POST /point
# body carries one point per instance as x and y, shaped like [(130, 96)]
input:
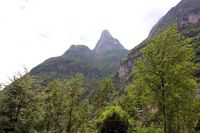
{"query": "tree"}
[(135, 102), (83, 124), (17, 99), (167, 70), (74, 90), (104, 94), (55, 107), (66, 108)]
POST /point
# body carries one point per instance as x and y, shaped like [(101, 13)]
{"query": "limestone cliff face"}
[(187, 15), (127, 65)]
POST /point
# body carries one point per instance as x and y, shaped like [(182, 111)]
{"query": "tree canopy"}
[(167, 70)]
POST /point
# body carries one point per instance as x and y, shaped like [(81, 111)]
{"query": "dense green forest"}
[(161, 97)]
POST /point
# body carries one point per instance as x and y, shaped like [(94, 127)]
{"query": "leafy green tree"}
[(1, 95), (105, 94), (167, 70), (55, 107), (135, 102), (83, 124), (15, 104), (74, 90), (66, 108)]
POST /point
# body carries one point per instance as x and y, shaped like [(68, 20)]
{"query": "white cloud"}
[(34, 30)]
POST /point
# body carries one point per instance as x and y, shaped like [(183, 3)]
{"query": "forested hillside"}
[(156, 88)]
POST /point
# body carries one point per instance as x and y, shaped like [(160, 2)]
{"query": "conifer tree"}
[(17, 100)]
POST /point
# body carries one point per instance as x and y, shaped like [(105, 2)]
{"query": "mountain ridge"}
[(95, 64)]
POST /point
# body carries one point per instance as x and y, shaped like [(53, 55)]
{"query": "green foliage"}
[(166, 69), (16, 103), (83, 124), (1, 95), (55, 106), (65, 109), (135, 102), (161, 98), (113, 119), (105, 94), (148, 130), (73, 90), (60, 107), (128, 102)]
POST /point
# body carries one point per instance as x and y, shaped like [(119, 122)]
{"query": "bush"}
[(113, 120)]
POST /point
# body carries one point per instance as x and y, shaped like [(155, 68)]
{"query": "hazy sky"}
[(34, 30)]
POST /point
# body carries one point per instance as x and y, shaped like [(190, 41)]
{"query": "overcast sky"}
[(34, 30)]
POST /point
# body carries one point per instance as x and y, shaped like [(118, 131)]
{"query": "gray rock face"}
[(184, 14)]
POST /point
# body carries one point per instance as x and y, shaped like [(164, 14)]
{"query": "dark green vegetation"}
[(161, 93), (165, 71), (95, 65)]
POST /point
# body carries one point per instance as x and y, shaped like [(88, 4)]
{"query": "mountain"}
[(95, 64), (107, 43), (187, 15)]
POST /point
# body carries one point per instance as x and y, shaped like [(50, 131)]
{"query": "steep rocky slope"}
[(187, 15)]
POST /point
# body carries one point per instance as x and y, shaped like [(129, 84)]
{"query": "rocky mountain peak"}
[(78, 47), (105, 35), (107, 43), (78, 50)]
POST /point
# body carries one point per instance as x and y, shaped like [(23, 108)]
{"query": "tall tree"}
[(135, 102), (64, 104), (55, 107), (74, 90), (104, 94), (167, 70), (83, 124), (18, 98)]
